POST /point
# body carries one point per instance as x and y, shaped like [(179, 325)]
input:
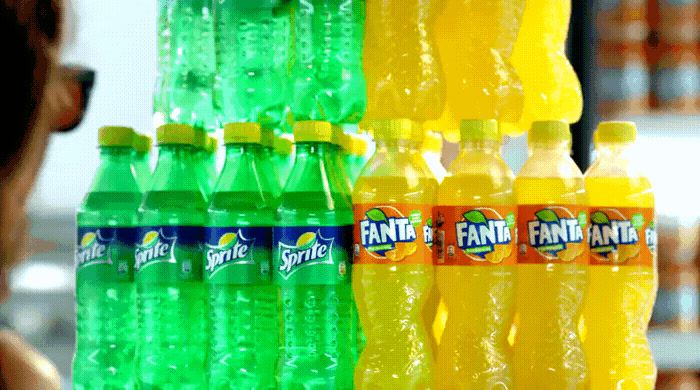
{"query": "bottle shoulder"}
[(546, 165), (477, 180)]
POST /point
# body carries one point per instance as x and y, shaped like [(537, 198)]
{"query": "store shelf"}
[(675, 350)]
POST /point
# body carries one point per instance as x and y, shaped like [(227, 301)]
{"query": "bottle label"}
[(237, 255), (471, 235), (169, 254), (393, 234), (306, 255), (622, 236), (105, 254), (552, 234)]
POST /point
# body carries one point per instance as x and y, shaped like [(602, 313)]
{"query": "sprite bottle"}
[(104, 257), (200, 157), (283, 158), (311, 264), (142, 161), (264, 160), (243, 302), (170, 293), (210, 161)]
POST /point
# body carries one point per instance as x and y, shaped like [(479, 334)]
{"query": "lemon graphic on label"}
[(150, 238), (88, 239), (306, 240), (227, 240)]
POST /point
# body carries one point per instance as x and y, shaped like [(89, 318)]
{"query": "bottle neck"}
[(312, 168), (240, 172), (175, 169), (396, 145), (115, 173), (480, 146), (608, 150), (552, 148)]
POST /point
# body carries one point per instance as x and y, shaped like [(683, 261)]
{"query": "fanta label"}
[(474, 235), (552, 234), (622, 236), (311, 255), (237, 255), (105, 254), (392, 234), (169, 253)]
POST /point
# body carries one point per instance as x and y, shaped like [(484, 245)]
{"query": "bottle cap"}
[(615, 132), (267, 138), (338, 137), (432, 142), (241, 133), (549, 132), (357, 145), (313, 131), (175, 134), (116, 136), (200, 139), (284, 144), (212, 145), (396, 129), (479, 130), (142, 143)]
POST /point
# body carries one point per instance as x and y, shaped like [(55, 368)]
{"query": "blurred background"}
[(643, 67)]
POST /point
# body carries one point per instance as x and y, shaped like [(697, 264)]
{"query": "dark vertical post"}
[(582, 47)]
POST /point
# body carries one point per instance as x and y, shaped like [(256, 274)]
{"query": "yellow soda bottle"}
[(552, 263), (623, 278), (475, 263), (392, 268)]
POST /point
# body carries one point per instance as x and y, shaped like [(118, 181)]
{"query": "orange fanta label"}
[(397, 233), (622, 236), (468, 235), (552, 234)]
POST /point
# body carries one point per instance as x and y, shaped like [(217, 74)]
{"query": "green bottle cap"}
[(615, 132), (313, 131), (175, 134), (548, 132), (116, 136), (242, 133), (142, 143), (479, 130)]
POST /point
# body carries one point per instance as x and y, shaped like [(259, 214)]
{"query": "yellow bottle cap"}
[(357, 145), (267, 138), (396, 129), (175, 134), (479, 130), (142, 143), (116, 136), (549, 132), (212, 145), (284, 144), (242, 133), (615, 132), (432, 142), (338, 137), (200, 139), (313, 131)]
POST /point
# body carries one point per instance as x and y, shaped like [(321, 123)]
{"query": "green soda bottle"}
[(170, 292), (200, 156), (243, 302), (283, 158), (104, 258), (311, 263), (142, 161), (264, 161), (212, 173)]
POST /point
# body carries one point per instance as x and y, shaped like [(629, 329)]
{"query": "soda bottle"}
[(552, 90), (475, 262), (311, 265), (401, 60), (104, 258), (283, 158), (327, 78), (210, 163), (432, 154), (355, 156), (476, 61), (252, 59), (191, 89), (552, 263), (243, 305), (142, 161), (393, 271), (199, 159), (161, 93), (264, 156), (623, 276), (338, 145), (171, 304)]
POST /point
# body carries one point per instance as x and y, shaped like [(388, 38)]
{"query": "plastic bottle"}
[(393, 274), (552, 90), (210, 161), (243, 302), (401, 60), (355, 156), (164, 69), (476, 60), (328, 82), (338, 145), (199, 159), (475, 263), (552, 263), (432, 153), (264, 156), (623, 278), (283, 158), (252, 56), (172, 336), (105, 292), (142, 161), (311, 263)]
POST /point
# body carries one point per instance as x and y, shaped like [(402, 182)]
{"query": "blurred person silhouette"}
[(38, 97)]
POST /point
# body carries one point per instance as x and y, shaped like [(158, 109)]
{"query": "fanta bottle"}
[(105, 293), (476, 40), (355, 156), (199, 159), (172, 336), (552, 263), (552, 90), (475, 263), (623, 278), (210, 161), (243, 303), (311, 264), (142, 161), (401, 60), (264, 157), (283, 157), (393, 273)]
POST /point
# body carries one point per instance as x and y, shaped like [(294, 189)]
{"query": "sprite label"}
[(169, 254), (105, 254), (237, 255)]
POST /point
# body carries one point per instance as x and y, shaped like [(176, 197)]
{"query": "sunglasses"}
[(72, 89)]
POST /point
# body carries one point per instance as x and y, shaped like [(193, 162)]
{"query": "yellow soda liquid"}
[(548, 353), (392, 270), (478, 288), (623, 285)]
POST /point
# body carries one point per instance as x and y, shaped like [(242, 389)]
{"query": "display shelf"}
[(675, 350)]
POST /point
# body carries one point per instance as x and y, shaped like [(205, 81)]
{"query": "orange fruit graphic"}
[(572, 251)]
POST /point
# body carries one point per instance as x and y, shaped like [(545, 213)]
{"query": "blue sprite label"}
[(237, 255), (105, 254), (169, 253), (311, 254)]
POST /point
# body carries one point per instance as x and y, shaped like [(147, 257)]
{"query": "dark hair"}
[(29, 31)]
